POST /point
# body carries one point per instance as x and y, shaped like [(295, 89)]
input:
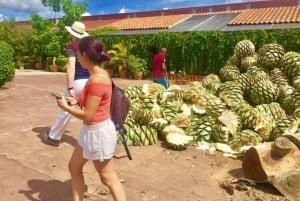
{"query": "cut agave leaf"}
[(177, 141)]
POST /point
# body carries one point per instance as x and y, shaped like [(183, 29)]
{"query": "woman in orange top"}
[(98, 138)]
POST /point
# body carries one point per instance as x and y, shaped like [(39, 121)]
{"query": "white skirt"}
[(98, 141)]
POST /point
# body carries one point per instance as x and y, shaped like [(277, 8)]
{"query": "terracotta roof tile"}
[(268, 16), (23, 25), (241, 5), (164, 20), (155, 22), (94, 24)]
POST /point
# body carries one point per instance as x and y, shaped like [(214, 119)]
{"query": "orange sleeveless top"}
[(102, 90)]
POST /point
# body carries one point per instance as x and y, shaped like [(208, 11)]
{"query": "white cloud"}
[(29, 6), (24, 8), (86, 14), (2, 17), (123, 10)]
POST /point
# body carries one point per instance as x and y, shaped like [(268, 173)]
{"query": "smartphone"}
[(57, 96)]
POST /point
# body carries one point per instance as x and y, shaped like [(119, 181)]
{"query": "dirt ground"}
[(32, 170)]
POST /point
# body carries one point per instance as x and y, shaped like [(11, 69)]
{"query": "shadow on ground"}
[(65, 139), (53, 190)]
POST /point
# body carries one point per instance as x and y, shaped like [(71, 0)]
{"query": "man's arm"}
[(71, 74), (164, 67)]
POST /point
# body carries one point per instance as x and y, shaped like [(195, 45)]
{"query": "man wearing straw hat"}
[(76, 79)]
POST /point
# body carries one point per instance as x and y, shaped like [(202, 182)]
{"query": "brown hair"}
[(94, 49)]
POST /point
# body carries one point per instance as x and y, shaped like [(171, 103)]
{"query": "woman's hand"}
[(62, 102), (72, 93), (71, 101)]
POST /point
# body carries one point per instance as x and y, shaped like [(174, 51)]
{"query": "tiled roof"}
[(95, 24), (242, 5), (244, 17), (251, 14), (268, 16), (155, 22), (23, 25)]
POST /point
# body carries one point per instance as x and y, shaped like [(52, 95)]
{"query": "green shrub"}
[(200, 52), (62, 63), (7, 65)]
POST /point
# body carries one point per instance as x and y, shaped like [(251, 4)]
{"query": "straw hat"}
[(77, 30)]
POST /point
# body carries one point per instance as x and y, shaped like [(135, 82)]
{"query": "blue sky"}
[(22, 9)]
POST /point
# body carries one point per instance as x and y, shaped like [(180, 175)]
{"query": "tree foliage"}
[(73, 12), (7, 66), (19, 39), (103, 31), (55, 4), (38, 23), (201, 52), (50, 39)]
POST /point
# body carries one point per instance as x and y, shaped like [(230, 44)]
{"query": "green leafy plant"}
[(7, 65), (137, 64), (41, 36), (61, 61), (120, 56), (180, 75), (52, 49), (22, 62), (102, 31)]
